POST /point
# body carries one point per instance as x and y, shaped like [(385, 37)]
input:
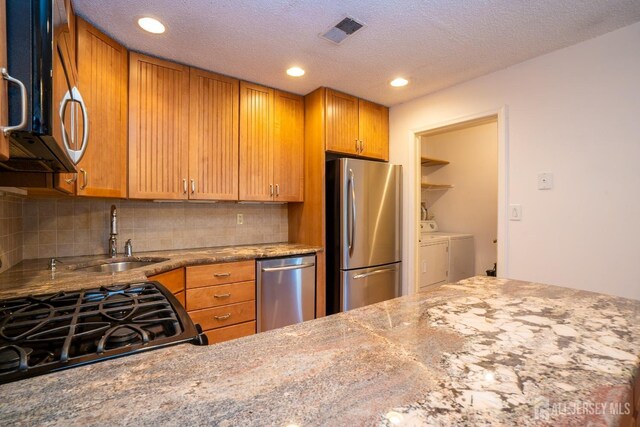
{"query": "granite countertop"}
[(484, 351), (34, 277)]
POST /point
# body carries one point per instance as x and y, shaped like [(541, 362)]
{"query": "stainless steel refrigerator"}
[(364, 233)]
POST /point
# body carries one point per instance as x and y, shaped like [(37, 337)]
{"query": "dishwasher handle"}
[(288, 267)]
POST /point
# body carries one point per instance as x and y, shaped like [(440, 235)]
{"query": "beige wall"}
[(10, 230), (472, 205), (572, 112), (70, 227)]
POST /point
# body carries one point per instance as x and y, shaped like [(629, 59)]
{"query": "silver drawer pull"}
[(288, 267), (223, 317), (371, 273), (221, 274), (227, 295)]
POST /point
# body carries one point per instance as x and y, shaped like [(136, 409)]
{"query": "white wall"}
[(472, 205), (574, 112)]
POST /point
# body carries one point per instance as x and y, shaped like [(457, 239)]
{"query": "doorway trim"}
[(503, 185)]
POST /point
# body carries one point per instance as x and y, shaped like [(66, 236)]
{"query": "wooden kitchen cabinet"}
[(271, 144), (373, 123), (174, 281), (102, 81), (213, 136), (356, 127), (256, 141), (158, 128), (288, 147), (342, 123), (222, 299)]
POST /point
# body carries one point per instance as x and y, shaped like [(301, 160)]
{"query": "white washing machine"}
[(454, 251)]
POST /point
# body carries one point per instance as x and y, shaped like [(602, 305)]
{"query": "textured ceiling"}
[(433, 43)]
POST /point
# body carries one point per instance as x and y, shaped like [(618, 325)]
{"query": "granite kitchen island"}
[(484, 351)]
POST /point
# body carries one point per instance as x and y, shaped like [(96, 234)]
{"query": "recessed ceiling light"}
[(399, 82), (295, 72), (151, 25)]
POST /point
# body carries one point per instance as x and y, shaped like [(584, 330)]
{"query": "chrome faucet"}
[(113, 241)]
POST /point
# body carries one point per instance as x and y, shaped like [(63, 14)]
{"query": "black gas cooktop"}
[(46, 333)]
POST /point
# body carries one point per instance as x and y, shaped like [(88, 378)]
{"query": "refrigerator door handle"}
[(288, 267), (352, 229), (371, 273)]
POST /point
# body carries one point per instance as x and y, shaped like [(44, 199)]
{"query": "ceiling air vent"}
[(343, 29)]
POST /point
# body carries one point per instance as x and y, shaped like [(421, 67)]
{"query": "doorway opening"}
[(460, 199)]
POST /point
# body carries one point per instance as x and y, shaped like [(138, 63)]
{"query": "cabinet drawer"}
[(231, 332), (218, 274), (172, 280), (214, 296), (217, 317)]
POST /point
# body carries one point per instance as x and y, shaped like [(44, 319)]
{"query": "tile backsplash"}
[(11, 223), (71, 227)]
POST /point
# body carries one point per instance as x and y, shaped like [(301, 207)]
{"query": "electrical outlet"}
[(240, 219), (545, 181)]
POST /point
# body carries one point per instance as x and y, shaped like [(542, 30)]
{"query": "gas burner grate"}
[(44, 333)]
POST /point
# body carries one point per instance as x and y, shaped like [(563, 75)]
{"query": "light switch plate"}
[(545, 181), (515, 212), (240, 219)]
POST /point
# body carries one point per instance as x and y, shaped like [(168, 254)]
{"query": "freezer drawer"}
[(369, 285), (286, 291)]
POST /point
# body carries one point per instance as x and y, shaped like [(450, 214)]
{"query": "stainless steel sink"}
[(114, 267)]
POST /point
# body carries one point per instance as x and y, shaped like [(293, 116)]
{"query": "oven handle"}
[(23, 99)]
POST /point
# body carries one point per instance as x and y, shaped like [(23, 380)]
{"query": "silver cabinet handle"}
[(85, 179), (223, 317), (74, 95), (23, 100), (361, 147), (221, 274), (227, 295), (357, 146), (71, 180), (371, 273), (184, 186), (277, 190), (271, 190), (193, 186), (352, 230), (288, 267)]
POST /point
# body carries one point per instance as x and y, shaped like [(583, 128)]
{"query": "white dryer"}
[(461, 252)]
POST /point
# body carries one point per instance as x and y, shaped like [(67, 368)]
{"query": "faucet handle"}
[(128, 248), (52, 263)]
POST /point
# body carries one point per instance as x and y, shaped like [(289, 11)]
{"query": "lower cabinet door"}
[(218, 317), (231, 332)]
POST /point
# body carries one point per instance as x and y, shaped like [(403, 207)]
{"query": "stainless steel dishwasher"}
[(286, 291)]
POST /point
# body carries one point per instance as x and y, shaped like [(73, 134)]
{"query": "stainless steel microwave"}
[(48, 120)]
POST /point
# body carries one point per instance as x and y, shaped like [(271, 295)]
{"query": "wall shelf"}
[(434, 187), (427, 161)]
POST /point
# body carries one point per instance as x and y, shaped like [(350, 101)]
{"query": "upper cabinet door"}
[(288, 147), (158, 128), (102, 80), (256, 139), (341, 123), (374, 130), (213, 136), (4, 109)]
